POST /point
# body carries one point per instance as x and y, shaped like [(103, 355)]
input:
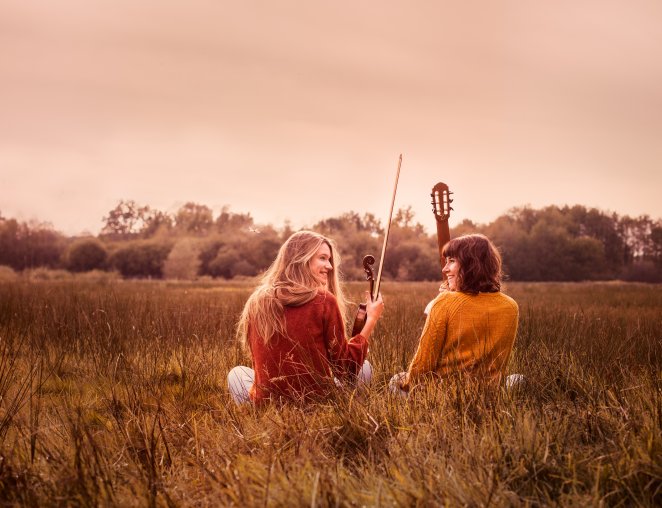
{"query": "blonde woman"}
[(293, 325)]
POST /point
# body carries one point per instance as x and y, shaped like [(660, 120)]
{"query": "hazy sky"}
[(298, 109)]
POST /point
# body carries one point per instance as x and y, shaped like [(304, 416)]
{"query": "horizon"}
[(428, 223)]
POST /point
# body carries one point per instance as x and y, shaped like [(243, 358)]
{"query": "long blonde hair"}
[(289, 281)]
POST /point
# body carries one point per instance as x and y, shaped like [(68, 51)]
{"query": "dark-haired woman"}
[(471, 326)]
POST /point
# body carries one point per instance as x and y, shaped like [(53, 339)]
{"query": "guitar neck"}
[(443, 237)]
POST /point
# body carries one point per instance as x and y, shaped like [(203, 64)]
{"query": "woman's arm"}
[(429, 346), (374, 311), (347, 356)]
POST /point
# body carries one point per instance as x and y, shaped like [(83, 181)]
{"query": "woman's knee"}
[(365, 374), (515, 382), (395, 384), (240, 381)]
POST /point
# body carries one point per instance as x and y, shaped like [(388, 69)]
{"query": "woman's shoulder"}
[(509, 301), (452, 296), (500, 299), (459, 297), (324, 296), (448, 300), (507, 298)]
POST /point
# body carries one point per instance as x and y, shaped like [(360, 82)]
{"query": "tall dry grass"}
[(113, 393)]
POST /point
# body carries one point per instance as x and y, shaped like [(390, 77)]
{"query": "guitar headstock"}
[(368, 261), (441, 202)]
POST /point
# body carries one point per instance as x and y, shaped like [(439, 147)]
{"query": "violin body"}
[(359, 320), (362, 313)]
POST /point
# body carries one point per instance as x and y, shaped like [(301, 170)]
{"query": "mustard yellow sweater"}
[(472, 334)]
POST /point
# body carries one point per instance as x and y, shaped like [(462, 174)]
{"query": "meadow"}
[(113, 393)]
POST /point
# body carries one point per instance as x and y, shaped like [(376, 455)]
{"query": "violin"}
[(368, 261), (362, 313)]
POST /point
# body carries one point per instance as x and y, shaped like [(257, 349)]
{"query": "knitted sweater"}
[(302, 365), (464, 333)]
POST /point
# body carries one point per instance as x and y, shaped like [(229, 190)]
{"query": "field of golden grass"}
[(113, 393)]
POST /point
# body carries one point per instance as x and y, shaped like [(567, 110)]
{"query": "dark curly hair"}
[(480, 263)]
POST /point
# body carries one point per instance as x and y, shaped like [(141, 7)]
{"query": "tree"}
[(128, 220), (228, 221), (464, 228), (596, 224), (350, 221), (240, 253), (29, 245), (636, 233), (183, 261), (226, 261), (124, 220), (656, 244), (155, 222), (85, 255), (357, 237), (194, 219), (141, 259), (404, 217)]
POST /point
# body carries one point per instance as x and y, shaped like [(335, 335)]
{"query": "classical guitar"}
[(441, 207)]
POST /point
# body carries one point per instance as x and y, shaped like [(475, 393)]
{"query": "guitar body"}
[(441, 207)]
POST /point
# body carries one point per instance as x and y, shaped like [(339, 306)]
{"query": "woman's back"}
[(468, 334), (302, 364)]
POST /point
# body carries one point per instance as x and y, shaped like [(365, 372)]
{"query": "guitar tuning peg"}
[(451, 200)]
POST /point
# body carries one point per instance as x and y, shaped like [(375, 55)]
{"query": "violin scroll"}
[(362, 313), (368, 261)]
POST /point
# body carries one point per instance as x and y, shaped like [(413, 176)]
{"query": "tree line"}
[(549, 244)]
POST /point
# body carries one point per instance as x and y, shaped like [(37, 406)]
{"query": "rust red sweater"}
[(302, 365)]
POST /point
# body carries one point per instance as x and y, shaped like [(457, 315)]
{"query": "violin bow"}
[(388, 229)]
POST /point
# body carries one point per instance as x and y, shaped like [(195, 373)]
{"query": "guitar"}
[(441, 208)]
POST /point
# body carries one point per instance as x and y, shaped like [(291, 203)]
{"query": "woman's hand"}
[(374, 308), (374, 311), (443, 287)]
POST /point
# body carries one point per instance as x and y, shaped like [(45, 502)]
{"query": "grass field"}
[(113, 393)]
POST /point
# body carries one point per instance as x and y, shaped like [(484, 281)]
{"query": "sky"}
[(297, 111)]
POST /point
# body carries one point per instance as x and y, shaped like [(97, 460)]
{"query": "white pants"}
[(241, 380), (394, 384), (513, 382)]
